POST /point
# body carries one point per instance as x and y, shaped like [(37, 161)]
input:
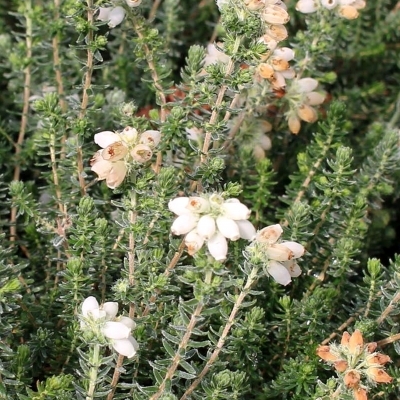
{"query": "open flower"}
[(354, 361), (210, 219), (278, 256), (117, 330)]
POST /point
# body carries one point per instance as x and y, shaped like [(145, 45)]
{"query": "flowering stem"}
[(178, 355), (25, 109), (156, 81), (85, 95), (95, 361), (220, 97), (250, 280)]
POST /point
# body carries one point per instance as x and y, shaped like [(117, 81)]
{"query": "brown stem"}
[(157, 85), (153, 10), (178, 355), (250, 280), (25, 110)]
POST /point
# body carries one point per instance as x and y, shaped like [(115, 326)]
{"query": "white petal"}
[(129, 322), (194, 242), (116, 175), (104, 14), (290, 73), (100, 166), (126, 347), (116, 330), (141, 153), (279, 273), (269, 234), (218, 247), (88, 305), (198, 204), (246, 229), (184, 224), (293, 268), (306, 6), (329, 4), (97, 314), (228, 228), (111, 308), (151, 138), (178, 205), (133, 3), (235, 211), (296, 248), (116, 16), (279, 252), (129, 135), (284, 52), (105, 138), (206, 226), (307, 85), (315, 98), (278, 81), (265, 142)]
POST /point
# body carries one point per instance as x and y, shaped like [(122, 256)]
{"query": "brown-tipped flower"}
[(325, 353), (356, 342), (378, 375), (352, 378), (307, 113), (371, 347), (340, 365), (378, 358), (345, 339), (348, 12), (360, 394)]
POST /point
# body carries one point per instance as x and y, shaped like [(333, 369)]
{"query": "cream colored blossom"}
[(210, 219)]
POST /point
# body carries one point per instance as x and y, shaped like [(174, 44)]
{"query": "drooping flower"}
[(302, 98), (117, 330), (210, 219), (279, 256), (355, 361)]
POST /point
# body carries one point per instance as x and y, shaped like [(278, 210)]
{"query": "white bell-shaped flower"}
[(116, 330), (218, 246), (126, 347)]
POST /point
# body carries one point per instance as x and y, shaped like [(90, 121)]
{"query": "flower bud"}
[(218, 246), (266, 71), (340, 365), (194, 242), (273, 14), (352, 378), (294, 124), (378, 375), (307, 113), (269, 234), (279, 252), (348, 12), (228, 228), (325, 353)]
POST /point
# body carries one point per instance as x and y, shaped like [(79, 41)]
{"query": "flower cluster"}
[(276, 69), (116, 329), (345, 8), (353, 360), (279, 256), (213, 219), (120, 149), (115, 15), (302, 96)]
